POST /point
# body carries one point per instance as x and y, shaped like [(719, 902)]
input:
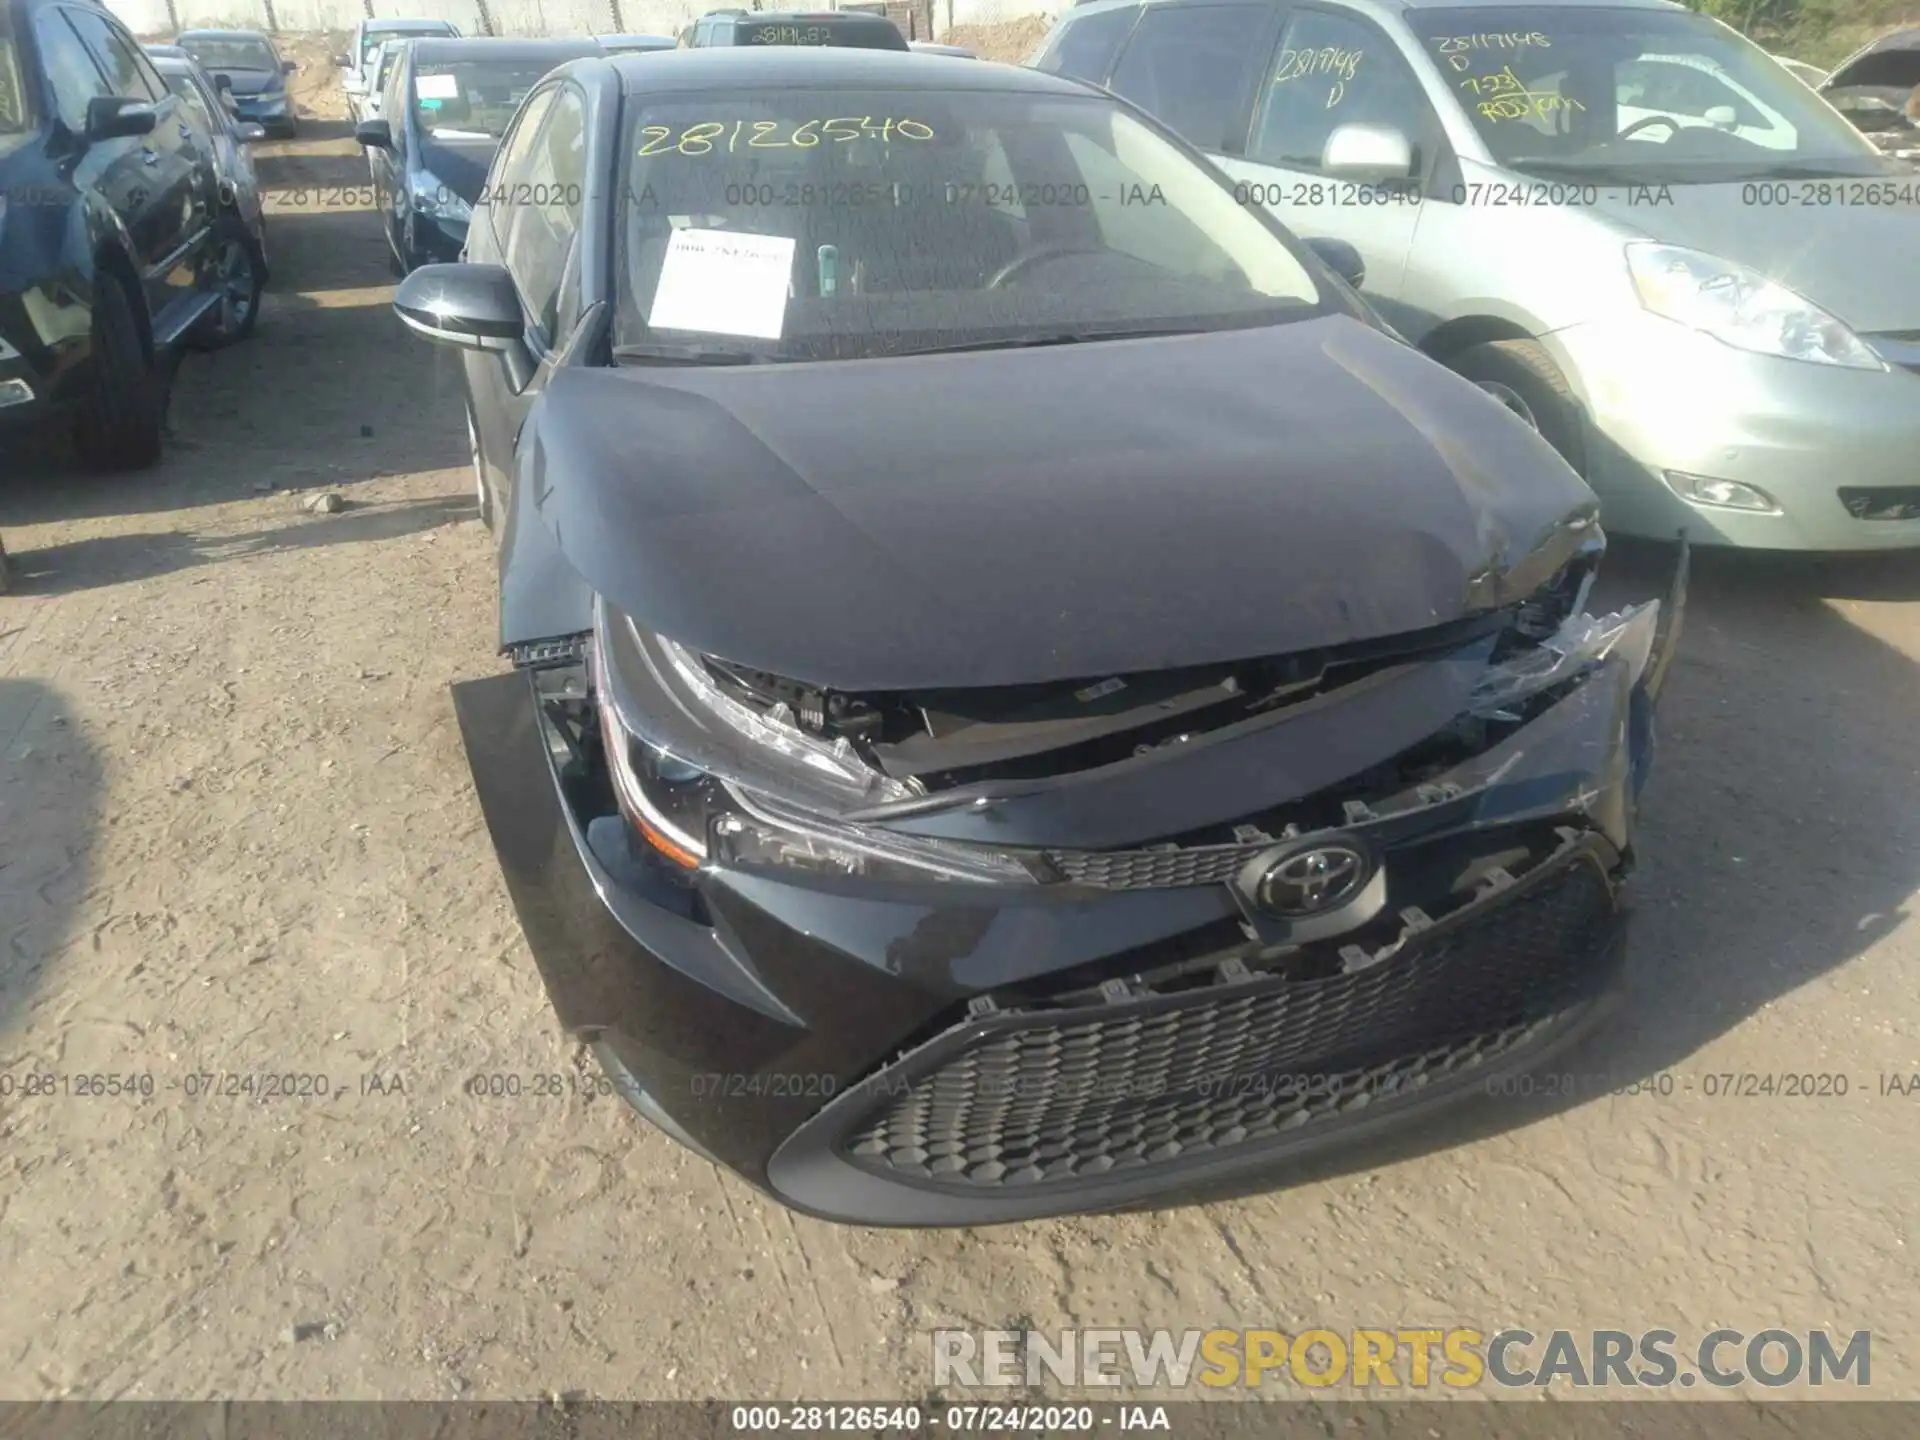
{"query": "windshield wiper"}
[(1797, 172), (659, 354), (1051, 337)]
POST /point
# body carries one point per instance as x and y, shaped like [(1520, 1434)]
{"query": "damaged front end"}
[(1063, 946)]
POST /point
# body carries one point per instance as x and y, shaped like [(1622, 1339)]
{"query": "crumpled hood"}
[(1010, 517)]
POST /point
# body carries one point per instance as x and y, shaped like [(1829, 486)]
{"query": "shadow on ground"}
[(51, 789)]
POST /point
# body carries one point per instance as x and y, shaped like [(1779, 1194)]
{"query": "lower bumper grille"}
[(1883, 502), (1041, 1097)]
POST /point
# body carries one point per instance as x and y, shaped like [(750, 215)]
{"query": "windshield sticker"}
[(1455, 47), (743, 135), (1503, 97), (1330, 61), (430, 104), (724, 283), (437, 87)]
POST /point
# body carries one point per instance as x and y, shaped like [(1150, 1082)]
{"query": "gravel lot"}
[(237, 834)]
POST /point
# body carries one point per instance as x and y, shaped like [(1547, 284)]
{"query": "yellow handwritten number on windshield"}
[(775, 134)]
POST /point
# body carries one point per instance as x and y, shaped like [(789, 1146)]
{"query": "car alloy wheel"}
[(1510, 398), (238, 285)]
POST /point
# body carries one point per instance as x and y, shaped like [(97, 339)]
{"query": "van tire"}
[(121, 415), (1522, 371)]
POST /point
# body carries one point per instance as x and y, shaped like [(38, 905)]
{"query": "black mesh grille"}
[(1049, 1096), (1156, 869)]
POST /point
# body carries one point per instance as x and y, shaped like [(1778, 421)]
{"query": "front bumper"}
[(1659, 397), (37, 372), (959, 1054)]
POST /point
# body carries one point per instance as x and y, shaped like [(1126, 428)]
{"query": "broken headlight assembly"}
[(702, 777), (1581, 642)]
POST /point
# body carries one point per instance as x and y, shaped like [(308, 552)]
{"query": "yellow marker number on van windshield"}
[(1332, 61), (1504, 97), (739, 136), (1456, 48)]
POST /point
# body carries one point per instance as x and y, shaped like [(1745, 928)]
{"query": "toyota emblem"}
[(1314, 880)]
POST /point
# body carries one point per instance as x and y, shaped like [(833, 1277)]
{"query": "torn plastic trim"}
[(1575, 648)]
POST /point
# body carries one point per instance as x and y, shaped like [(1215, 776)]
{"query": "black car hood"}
[(460, 165), (1013, 517), (1892, 61), (250, 82)]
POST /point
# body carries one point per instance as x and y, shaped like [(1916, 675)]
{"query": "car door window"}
[(510, 161), (1333, 70), (394, 107), (126, 70), (548, 197), (1083, 49), (71, 71), (1191, 66)]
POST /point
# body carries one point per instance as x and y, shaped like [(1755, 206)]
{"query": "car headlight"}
[(1576, 647), (432, 196), (1741, 307), (704, 777)]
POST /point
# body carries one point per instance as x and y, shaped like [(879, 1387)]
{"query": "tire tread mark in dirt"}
[(806, 1260), (1246, 1266)]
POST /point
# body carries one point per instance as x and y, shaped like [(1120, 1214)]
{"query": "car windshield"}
[(239, 54), (472, 98), (371, 46), (833, 224), (1634, 96)]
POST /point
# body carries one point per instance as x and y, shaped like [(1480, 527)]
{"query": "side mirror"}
[(1367, 152), (223, 82), (287, 67), (112, 116), (472, 306), (341, 62), (1722, 117), (1341, 258), (249, 130), (374, 134)]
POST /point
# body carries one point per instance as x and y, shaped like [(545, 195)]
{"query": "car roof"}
[(222, 35), (173, 64), (726, 67), (502, 48)]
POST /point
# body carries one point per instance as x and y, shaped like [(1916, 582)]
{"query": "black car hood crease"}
[(461, 165), (1014, 517)]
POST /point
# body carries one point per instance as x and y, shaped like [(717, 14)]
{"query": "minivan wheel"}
[(121, 415), (1522, 376)]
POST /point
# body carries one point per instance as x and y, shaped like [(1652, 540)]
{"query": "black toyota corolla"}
[(1026, 697)]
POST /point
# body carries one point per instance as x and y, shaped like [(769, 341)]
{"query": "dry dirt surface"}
[(237, 837)]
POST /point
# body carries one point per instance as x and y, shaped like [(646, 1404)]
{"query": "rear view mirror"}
[(1367, 152), (112, 116), (1341, 258), (472, 306), (374, 134), (1721, 117)]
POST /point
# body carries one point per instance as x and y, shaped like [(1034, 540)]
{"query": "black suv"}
[(855, 28), (110, 229)]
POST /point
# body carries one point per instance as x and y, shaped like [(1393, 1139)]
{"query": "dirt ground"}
[(237, 835)]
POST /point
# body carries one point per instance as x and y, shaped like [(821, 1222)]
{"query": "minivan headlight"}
[(1741, 307)]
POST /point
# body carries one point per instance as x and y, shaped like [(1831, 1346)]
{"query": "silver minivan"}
[(1623, 220)]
